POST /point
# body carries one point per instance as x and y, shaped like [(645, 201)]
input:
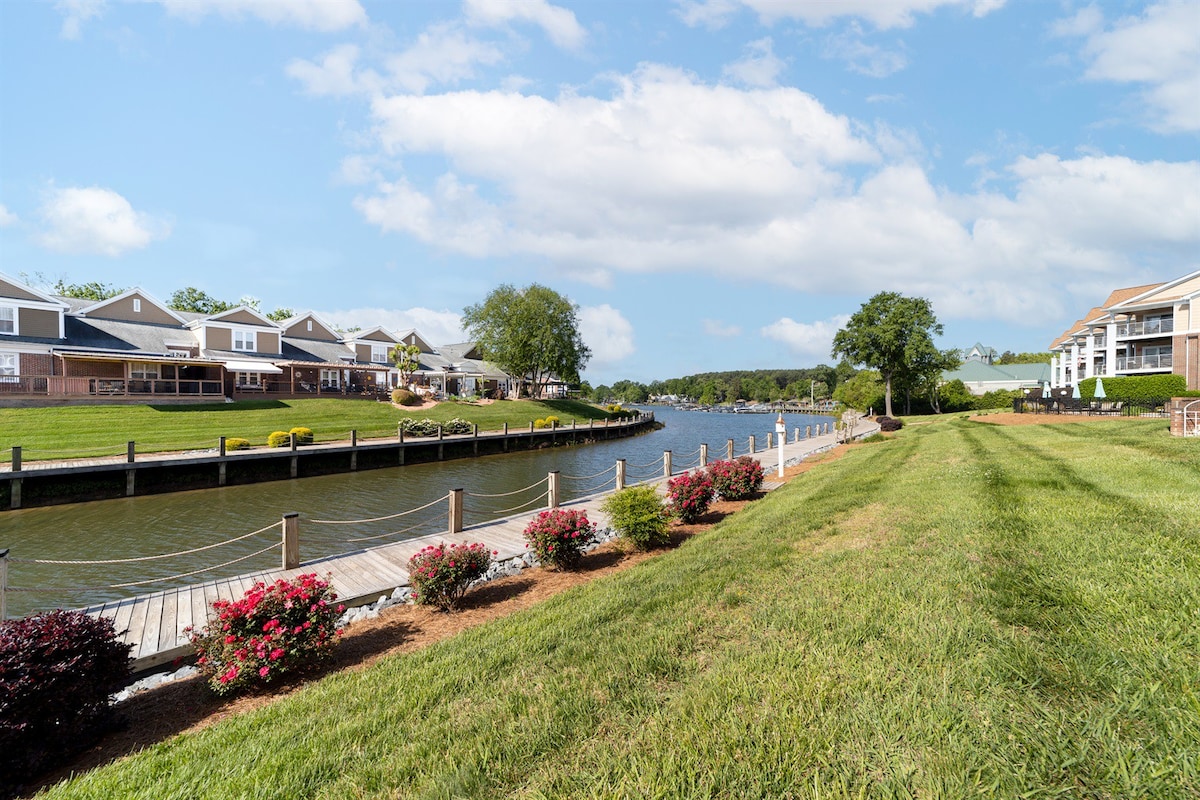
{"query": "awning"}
[(252, 366)]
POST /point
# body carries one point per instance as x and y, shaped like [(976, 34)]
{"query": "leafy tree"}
[(93, 290), (533, 333), (863, 391), (893, 334), (630, 392), (1009, 357), (198, 302), (280, 314), (601, 393), (406, 357)]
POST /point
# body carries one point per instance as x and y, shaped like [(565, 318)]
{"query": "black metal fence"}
[(1151, 407)]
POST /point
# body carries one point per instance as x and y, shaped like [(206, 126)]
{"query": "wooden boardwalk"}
[(155, 624)]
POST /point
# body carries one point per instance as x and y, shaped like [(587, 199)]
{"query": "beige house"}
[(1140, 330)]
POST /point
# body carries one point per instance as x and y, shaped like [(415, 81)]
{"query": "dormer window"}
[(8, 319), (244, 340), (379, 354)]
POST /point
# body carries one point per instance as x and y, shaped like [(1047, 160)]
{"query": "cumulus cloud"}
[(714, 327), (75, 13), (437, 327), (759, 67), (318, 15), (1159, 50), (6, 217), (96, 220), (811, 340), (559, 24), (607, 333), (334, 74), (862, 57), (880, 13)]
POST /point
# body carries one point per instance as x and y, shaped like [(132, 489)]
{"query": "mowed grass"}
[(92, 431), (965, 610)]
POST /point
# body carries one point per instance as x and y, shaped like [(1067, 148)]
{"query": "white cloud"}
[(759, 67), (714, 327), (443, 54), (559, 24), (96, 220), (437, 327), (812, 340), (607, 333), (1159, 50), (335, 74), (866, 59), (77, 12), (6, 217), (880, 13), (318, 15)]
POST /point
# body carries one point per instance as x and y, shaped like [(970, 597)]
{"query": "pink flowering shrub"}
[(690, 495), (737, 479), (275, 629), (558, 536), (440, 574)]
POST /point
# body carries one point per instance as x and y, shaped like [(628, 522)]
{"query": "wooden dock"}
[(155, 624)]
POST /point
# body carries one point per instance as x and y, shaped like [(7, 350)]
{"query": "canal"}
[(140, 527)]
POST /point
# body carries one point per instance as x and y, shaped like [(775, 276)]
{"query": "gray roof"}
[(125, 337), (316, 351)]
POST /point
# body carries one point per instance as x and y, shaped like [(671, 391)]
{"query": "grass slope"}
[(966, 610), (70, 431)]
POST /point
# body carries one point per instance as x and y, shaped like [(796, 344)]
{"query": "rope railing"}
[(655, 463), (378, 519), (597, 488), (145, 558), (509, 494), (100, 449), (613, 468), (506, 511), (400, 532)]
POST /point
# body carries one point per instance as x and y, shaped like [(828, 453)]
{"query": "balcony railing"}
[(1100, 342), (62, 386), (1162, 361), (1166, 325)]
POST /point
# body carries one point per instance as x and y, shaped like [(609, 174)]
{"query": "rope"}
[(695, 452), (588, 477), (378, 519), (598, 487), (409, 529), (655, 463), (509, 494), (502, 512), (145, 558)]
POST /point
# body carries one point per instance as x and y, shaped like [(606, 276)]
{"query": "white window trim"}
[(333, 377), (144, 371), (10, 367), (380, 350), (250, 338), (137, 305), (248, 378), (16, 320)]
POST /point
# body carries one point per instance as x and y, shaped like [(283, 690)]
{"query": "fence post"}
[(552, 490), (666, 463), (456, 510), (354, 438), (16, 459), (221, 446), (3, 584), (292, 442), (729, 450), (620, 474), (753, 449), (130, 449), (796, 435), (808, 432), (291, 540), (441, 435), (704, 454), (770, 440), (400, 431), (531, 426)]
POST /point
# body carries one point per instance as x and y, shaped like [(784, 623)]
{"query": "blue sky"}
[(717, 184)]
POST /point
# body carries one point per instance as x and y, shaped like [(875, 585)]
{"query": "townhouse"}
[(132, 347), (1139, 330)]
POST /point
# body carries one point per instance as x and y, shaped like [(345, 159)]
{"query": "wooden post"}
[(130, 449), (14, 493), (130, 482), (16, 459), (770, 440), (796, 435), (292, 441), (291, 540), (400, 432), (753, 449), (552, 490), (704, 454), (666, 463), (354, 451), (620, 474), (440, 434), (531, 426), (3, 584), (456, 510), (506, 437), (808, 432), (729, 450)]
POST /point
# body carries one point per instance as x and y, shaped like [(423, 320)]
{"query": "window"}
[(8, 319), (248, 378), (144, 372), (244, 340), (309, 326), (329, 377), (10, 367), (379, 354), (137, 305)]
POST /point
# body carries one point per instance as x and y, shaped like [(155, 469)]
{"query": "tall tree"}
[(198, 302), (893, 334), (93, 290), (533, 333)]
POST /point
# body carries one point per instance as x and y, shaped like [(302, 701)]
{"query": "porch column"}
[(1053, 372), (1075, 371), (1110, 342), (1089, 355)]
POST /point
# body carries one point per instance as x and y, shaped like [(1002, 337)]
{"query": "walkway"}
[(155, 623)]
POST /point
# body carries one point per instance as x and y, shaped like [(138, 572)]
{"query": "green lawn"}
[(965, 610), (72, 431)]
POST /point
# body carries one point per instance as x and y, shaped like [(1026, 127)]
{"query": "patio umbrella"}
[(1075, 392), (1100, 389)]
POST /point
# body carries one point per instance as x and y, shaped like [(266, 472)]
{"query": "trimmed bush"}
[(57, 671), (889, 424), (274, 630), (458, 427), (737, 479), (690, 495), (423, 427), (540, 423), (552, 421), (558, 536), (639, 516), (441, 574), (303, 435), (235, 443), (403, 397), (279, 439), (1135, 388)]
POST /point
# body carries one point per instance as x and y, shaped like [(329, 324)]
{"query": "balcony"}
[(1136, 363), (1100, 342), (60, 386), (1158, 326)]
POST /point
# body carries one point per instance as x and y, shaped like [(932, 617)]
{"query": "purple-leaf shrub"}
[(558, 536), (440, 574)]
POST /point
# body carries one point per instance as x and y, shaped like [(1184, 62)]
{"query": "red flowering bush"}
[(690, 495), (440, 574), (558, 536), (737, 479), (275, 629)]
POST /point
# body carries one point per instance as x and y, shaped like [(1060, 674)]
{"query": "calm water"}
[(143, 526)]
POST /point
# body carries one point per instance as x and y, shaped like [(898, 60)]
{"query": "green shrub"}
[(275, 629), (57, 672), (639, 516), (1135, 388), (558, 536), (422, 427), (441, 574), (403, 397), (540, 423), (457, 427), (235, 443), (279, 439), (303, 435), (998, 398)]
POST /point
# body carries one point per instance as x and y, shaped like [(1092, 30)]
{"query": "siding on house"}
[(38, 323), (122, 309), (218, 338), (17, 293)]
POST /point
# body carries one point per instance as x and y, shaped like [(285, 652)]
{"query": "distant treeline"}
[(756, 386)]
